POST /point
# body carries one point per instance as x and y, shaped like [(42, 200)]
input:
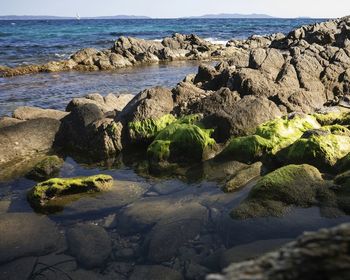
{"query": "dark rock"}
[(90, 244), (47, 168), (155, 272), (323, 254)]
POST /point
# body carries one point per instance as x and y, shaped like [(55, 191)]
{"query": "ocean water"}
[(36, 41)]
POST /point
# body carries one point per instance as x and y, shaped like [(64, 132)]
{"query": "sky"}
[(176, 8)]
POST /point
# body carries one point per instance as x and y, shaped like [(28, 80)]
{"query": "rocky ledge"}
[(314, 255)]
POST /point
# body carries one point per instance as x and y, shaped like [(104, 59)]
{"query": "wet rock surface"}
[(322, 254)]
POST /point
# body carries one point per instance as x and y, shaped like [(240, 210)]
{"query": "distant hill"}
[(12, 17), (234, 16)]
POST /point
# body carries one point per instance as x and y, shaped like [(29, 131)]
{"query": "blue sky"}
[(176, 8)]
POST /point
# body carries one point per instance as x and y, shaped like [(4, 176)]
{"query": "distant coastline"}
[(208, 16)]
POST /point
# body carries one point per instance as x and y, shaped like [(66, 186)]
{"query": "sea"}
[(24, 42)]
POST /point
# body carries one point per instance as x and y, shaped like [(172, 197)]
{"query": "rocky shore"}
[(274, 113)]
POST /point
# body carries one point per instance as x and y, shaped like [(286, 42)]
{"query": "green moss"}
[(269, 138), (180, 142), (46, 168), (322, 151), (341, 117), (147, 130), (246, 149), (51, 189), (337, 129), (299, 185)]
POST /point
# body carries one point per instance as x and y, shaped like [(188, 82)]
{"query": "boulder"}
[(89, 244), (27, 138), (47, 168), (108, 103), (180, 142), (299, 185), (269, 138), (242, 118), (8, 121), (30, 113), (43, 195), (27, 234)]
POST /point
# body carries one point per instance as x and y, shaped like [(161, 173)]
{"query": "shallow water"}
[(55, 90), (151, 221)]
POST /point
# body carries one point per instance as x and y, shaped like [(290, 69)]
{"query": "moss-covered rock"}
[(269, 138), (40, 195), (47, 168), (337, 117), (322, 150), (146, 130), (342, 192), (298, 185), (337, 129), (183, 141)]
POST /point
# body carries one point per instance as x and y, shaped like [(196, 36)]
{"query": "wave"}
[(216, 41)]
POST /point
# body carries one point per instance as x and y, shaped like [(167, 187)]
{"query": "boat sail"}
[(77, 16)]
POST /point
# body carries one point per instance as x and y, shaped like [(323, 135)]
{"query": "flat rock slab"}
[(31, 113), (90, 244), (26, 234)]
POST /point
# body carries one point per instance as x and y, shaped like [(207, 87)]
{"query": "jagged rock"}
[(322, 254)]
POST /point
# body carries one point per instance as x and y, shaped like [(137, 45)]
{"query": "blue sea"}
[(39, 41)]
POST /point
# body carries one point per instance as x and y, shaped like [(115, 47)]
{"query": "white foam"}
[(216, 41), (158, 40)]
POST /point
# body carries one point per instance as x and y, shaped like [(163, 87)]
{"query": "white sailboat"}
[(77, 16)]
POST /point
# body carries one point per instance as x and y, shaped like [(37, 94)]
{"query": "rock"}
[(151, 103), (243, 177), (269, 138), (321, 253), (179, 142), (176, 227), (42, 196), (31, 113), (4, 206), (146, 130), (22, 267), (109, 103), (242, 118), (298, 185), (90, 244), (15, 228), (155, 272), (7, 121), (250, 251), (47, 168), (27, 138), (319, 148)]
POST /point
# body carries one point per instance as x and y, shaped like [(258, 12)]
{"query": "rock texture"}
[(314, 255)]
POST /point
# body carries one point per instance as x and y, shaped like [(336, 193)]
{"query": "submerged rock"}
[(299, 185), (25, 234), (47, 168), (323, 254), (90, 244), (45, 192)]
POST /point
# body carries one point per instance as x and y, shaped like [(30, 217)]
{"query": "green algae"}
[(41, 194), (323, 151), (269, 138), (182, 141), (298, 185), (337, 129), (148, 129), (46, 168), (341, 117)]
